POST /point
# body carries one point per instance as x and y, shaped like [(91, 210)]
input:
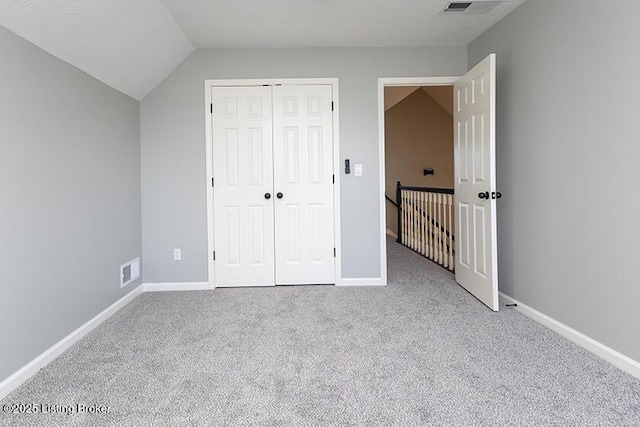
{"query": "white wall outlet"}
[(357, 169), (177, 254)]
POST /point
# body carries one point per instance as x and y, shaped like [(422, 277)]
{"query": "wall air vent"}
[(477, 7), (129, 272)]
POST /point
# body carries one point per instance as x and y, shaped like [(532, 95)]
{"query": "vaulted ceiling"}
[(132, 45), (443, 95)]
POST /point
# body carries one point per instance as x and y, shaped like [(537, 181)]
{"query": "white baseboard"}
[(610, 355), (179, 286), (375, 281), (31, 368)]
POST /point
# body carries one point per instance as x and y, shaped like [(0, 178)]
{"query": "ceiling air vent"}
[(457, 7), (469, 8)]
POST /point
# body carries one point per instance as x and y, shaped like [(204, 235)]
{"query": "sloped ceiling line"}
[(132, 45), (393, 95), (443, 95), (129, 45)]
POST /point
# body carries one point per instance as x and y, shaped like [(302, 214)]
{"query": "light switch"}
[(177, 255), (358, 169)]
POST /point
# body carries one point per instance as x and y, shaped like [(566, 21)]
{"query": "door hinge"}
[(211, 108), (214, 255), (334, 252), (334, 178), (331, 105), (212, 182)]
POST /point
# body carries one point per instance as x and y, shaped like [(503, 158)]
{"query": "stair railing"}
[(425, 222)]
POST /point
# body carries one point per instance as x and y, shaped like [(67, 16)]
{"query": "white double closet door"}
[(273, 185)]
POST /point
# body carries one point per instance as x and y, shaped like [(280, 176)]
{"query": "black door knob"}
[(484, 195), (496, 195), (279, 195), (267, 196)]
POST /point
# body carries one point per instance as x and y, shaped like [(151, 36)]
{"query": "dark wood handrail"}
[(389, 199), (428, 190)]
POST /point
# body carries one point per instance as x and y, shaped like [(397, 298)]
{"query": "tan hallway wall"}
[(418, 135)]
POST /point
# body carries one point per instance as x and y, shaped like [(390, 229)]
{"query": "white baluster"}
[(406, 218), (416, 196), (409, 220), (417, 221), (432, 230), (428, 227), (452, 261), (434, 221), (445, 235), (440, 229), (413, 218), (403, 233), (422, 225), (447, 228), (401, 223)]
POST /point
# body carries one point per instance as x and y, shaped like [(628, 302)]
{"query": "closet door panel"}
[(303, 184), (243, 186)]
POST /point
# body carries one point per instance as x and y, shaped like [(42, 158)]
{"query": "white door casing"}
[(474, 173), (303, 176), (243, 174), (247, 230)]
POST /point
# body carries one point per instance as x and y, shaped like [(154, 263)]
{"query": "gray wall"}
[(568, 163), (173, 146), (69, 198)]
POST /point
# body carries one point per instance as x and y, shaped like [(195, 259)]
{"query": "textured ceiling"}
[(329, 23), (132, 45)]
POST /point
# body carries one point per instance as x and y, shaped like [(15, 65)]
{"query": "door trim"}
[(382, 83), (209, 84)]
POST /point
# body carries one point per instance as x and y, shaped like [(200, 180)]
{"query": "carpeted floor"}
[(420, 351)]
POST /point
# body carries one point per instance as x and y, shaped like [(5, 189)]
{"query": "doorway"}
[(402, 86), (474, 201), (419, 170)]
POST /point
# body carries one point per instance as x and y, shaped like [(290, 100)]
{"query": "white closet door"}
[(475, 182), (303, 183), (243, 175)]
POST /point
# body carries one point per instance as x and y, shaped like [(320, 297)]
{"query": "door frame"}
[(390, 82), (209, 84)]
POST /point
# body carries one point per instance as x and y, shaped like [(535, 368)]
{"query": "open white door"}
[(475, 182)]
